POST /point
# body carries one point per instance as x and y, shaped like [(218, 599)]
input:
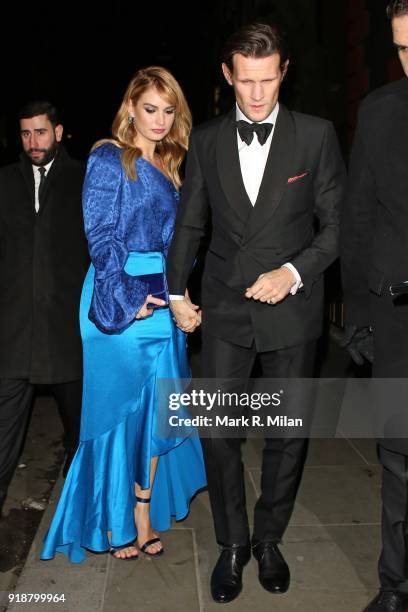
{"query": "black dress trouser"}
[(391, 361), (392, 565), (282, 461), (16, 396)]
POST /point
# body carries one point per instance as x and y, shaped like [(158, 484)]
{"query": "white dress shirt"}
[(252, 159), (37, 180)]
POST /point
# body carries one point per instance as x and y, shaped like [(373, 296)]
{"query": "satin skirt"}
[(119, 432)]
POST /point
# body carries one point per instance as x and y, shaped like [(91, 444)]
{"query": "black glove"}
[(359, 343)]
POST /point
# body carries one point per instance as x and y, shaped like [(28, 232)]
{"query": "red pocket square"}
[(293, 179)]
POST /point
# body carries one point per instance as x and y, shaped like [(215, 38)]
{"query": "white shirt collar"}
[(47, 167), (270, 119)]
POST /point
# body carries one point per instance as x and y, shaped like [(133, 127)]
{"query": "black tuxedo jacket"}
[(295, 219), (43, 261)]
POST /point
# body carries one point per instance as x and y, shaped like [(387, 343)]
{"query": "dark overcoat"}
[(43, 262), (374, 236)]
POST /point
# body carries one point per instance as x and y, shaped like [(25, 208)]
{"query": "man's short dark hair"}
[(397, 8), (257, 39), (39, 107)]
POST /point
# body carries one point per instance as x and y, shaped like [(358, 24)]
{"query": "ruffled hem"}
[(98, 495), (120, 430)]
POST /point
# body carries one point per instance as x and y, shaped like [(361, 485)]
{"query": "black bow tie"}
[(246, 131)]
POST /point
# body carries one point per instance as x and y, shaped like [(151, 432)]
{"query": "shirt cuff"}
[(176, 297), (298, 282)]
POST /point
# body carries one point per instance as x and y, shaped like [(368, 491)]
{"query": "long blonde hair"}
[(172, 149)]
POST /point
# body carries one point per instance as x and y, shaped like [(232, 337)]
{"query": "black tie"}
[(42, 171), (246, 131)]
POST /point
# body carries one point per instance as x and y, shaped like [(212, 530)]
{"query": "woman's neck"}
[(148, 150)]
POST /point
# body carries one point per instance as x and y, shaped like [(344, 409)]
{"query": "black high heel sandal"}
[(148, 543), (113, 549)]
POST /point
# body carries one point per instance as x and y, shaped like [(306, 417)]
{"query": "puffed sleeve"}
[(117, 296)]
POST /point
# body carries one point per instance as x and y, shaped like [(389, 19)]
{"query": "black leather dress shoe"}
[(388, 601), (274, 573), (226, 579)]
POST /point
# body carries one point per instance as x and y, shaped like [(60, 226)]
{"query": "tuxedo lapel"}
[(277, 170), (229, 170)]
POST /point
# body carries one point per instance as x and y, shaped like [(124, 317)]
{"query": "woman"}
[(129, 338)]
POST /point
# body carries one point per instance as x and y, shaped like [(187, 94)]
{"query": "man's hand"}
[(190, 303), (272, 287), (359, 343), (147, 312), (186, 314)]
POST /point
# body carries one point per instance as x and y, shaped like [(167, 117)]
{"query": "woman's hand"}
[(147, 312)]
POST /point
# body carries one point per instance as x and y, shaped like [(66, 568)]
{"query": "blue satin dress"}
[(129, 225)]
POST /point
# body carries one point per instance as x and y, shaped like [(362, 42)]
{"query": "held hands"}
[(147, 312), (272, 287), (186, 314), (359, 343)]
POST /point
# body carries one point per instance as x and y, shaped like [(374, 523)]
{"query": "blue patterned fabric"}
[(129, 225), (122, 215)]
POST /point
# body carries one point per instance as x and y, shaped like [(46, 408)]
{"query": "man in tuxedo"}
[(43, 261), (268, 176), (374, 255)]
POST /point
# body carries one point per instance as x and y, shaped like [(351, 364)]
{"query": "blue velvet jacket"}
[(122, 215)]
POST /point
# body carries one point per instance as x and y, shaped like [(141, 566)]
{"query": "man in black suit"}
[(267, 175), (374, 255), (43, 261)]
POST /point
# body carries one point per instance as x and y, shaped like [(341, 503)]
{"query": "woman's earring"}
[(130, 119)]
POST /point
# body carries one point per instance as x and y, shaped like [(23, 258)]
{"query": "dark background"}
[(82, 56)]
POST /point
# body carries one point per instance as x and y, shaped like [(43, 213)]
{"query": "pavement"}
[(331, 545), (29, 492)]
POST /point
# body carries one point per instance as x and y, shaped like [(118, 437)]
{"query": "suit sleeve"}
[(357, 224), (117, 296), (190, 225), (329, 186)]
